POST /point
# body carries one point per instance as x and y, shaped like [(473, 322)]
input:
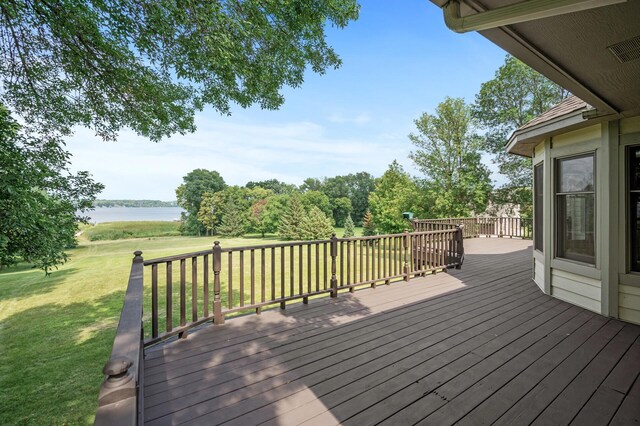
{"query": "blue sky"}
[(399, 60)]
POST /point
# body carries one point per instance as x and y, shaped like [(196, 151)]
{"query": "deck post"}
[(218, 317), (334, 255), (460, 246), (405, 241)]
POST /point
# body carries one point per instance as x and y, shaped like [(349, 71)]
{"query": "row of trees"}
[(211, 206)]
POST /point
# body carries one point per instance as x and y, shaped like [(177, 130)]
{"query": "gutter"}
[(515, 13)]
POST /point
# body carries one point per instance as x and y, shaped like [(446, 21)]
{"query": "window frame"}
[(589, 260), (538, 207), (629, 193)]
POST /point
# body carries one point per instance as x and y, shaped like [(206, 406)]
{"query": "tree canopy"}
[(41, 202), (189, 194), (513, 97), (395, 193), (449, 154), (150, 65)]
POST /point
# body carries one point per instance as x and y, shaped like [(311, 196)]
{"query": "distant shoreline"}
[(134, 203)]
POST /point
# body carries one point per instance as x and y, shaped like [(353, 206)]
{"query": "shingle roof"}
[(569, 105)]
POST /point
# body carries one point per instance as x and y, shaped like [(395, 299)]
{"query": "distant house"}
[(586, 150)]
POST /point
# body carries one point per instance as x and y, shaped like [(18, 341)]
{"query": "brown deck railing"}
[(120, 399), (182, 294), (477, 226)]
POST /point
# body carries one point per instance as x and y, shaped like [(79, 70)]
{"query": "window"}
[(634, 206), (575, 208), (538, 206)]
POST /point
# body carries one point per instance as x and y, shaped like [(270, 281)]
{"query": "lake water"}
[(124, 214)]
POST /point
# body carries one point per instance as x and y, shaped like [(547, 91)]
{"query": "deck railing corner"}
[(120, 399)]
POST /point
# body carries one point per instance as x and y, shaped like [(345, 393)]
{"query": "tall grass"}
[(123, 230)]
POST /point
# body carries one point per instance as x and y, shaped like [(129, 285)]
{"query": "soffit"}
[(571, 49)]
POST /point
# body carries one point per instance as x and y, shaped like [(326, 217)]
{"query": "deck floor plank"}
[(472, 346)]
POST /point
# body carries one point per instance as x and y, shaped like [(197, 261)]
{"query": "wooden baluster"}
[(194, 289), (325, 263), (407, 267), (318, 267), (300, 271), (305, 300), (218, 317), (241, 273), (252, 266), (291, 273), (282, 287), (361, 277), (169, 296), (183, 295), (309, 281), (373, 263), (379, 250), (334, 254), (273, 273), (154, 300), (205, 284), (385, 258), (366, 256), (342, 263), (263, 284), (395, 255), (230, 283), (349, 262)]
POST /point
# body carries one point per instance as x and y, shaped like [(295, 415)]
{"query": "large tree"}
[(356, 187), (190, 193), (41, 202), (150, 65), (395, 193), (513, 97), (449, 155)]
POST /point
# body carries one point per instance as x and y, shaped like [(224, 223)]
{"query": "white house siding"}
[(629, 303), (538, 273), (581, 136), (576, 289), (630, 125)]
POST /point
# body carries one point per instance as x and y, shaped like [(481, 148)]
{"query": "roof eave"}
[(523, 141)]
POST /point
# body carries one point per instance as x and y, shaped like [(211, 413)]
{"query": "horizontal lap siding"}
[(629, 303), (576, 289), (538, 273)]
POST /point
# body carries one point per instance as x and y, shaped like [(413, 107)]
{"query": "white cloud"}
[(362, 118), (136, 168)]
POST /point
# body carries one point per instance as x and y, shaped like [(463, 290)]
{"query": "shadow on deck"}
[(474, 346)]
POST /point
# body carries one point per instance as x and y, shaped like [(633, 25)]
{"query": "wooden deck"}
[(474, 346)]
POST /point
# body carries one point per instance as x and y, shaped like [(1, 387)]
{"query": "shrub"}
[(316, 225), (368, 225), (349, 227)]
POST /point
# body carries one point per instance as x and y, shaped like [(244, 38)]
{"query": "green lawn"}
[(56, 331)]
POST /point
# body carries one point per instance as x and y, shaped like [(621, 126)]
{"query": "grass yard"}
[(57, 331)]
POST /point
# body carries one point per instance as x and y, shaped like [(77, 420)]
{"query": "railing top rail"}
[(177, 257), (276, 245), (123, 368)]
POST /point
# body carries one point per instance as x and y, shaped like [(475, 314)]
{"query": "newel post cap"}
[(117, 369)]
